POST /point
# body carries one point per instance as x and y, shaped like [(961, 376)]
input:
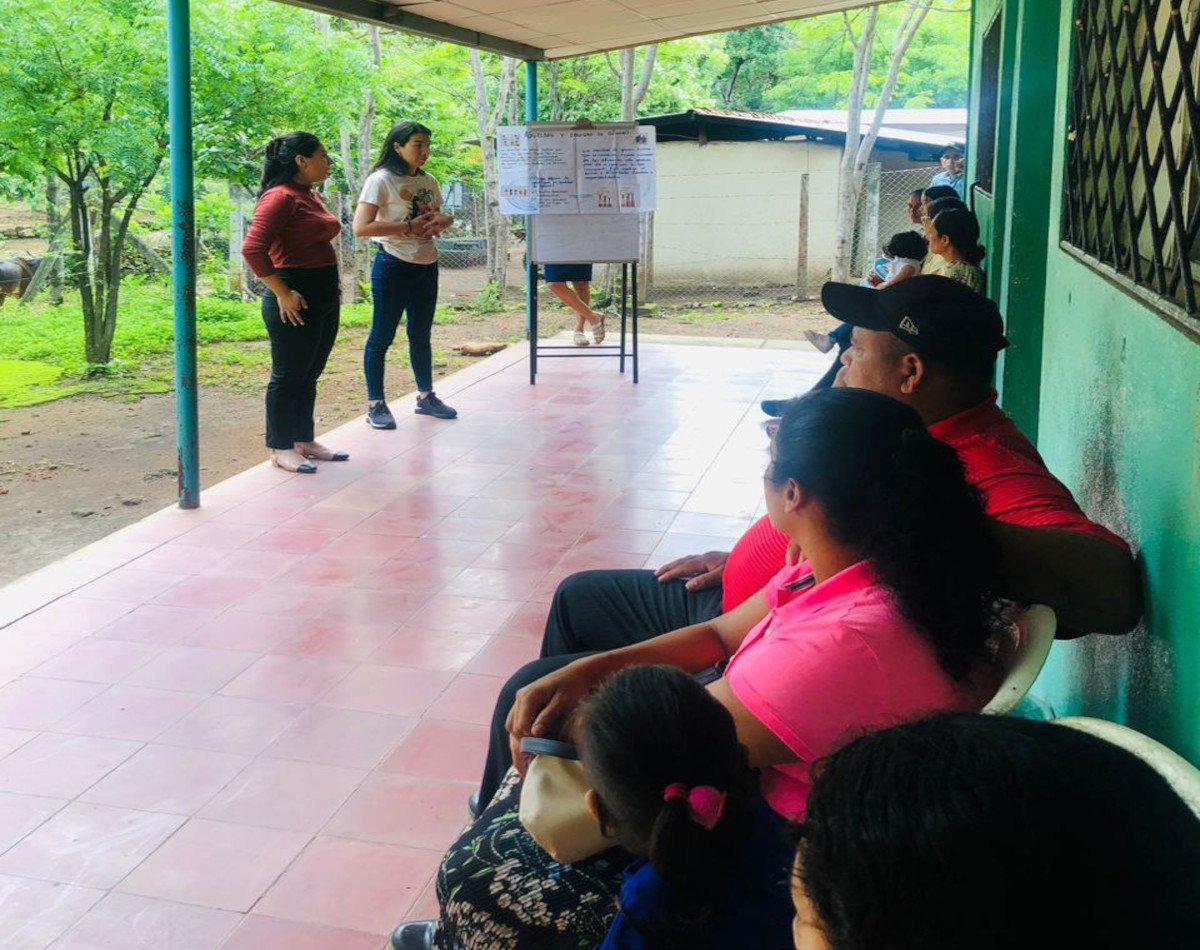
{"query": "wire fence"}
[(883, 210), (696, 255)]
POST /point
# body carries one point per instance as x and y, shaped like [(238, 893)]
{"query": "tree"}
[(859, 145), (633, 91), (755, 60), (253, 79), (83, 98), (815, 71), (356, 150), (488, 113), (81, 94)]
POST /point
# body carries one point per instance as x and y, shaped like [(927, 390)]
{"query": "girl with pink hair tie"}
[(672, 786)]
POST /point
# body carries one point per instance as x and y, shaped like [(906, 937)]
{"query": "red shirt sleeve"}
[(270, 215), (1021, 492), (755, 559)]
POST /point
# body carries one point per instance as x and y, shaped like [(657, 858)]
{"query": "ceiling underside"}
[(534, 30)]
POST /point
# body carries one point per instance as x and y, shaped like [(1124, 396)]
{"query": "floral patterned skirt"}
[(499, 890)]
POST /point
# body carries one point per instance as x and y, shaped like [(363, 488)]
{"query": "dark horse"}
[(15, 276)]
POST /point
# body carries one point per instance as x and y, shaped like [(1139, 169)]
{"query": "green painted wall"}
[(1013, 219), (1118, 419), (1028, 188)]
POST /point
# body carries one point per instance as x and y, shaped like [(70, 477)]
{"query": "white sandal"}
[(580, 339), (598, 330)]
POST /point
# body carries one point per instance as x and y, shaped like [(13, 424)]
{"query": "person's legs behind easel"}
[(571, 284)]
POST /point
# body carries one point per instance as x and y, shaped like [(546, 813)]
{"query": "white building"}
[(748, 198)]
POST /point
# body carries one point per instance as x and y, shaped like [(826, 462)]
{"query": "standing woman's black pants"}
[(299, 353)]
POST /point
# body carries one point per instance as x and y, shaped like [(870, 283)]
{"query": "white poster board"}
[(583, 238), (584, 189), (598, 170)]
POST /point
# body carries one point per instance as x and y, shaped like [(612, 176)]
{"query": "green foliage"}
[(79, 83), (684, 75), (489, 300), (261, 71), (755, 64), (815, 72)]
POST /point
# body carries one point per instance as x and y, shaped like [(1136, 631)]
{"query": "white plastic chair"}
[(1180, 774), (1022, 655)]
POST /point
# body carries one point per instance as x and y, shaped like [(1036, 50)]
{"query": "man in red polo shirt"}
[(930, 342)]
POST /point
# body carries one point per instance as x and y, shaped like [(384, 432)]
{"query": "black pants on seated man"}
[(593, 611)]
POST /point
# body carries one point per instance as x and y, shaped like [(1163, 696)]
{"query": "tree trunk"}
[(632, 94), (357, 159), (553, 95), (98, 236), (646, 267), (77, 264), (487, 117), (54, 222), (727, 92), (236, 266), (857, 151)]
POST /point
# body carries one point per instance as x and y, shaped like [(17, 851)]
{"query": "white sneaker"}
[(822, 341), (580, 339)]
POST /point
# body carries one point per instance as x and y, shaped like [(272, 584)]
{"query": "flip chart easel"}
[(585, 239)]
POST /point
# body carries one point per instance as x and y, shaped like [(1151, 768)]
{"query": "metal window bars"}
[(1132, 189)]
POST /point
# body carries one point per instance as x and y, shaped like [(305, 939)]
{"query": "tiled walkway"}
[(255, 725)]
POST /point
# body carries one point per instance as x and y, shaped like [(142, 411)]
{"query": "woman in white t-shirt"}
[(400, 208)]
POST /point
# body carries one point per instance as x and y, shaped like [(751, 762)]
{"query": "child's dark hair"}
[(897, 494), (962, 229), (938, 205), (933, 192), (992, 832), (907, 244), (389, 158), (279, 161), (648, 728)]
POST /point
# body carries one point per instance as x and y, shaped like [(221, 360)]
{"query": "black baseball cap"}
[(938, 317)]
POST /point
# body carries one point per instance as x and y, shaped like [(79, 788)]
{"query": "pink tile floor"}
[(255, 725)]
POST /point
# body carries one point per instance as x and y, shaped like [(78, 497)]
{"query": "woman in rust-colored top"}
[(289, 246)]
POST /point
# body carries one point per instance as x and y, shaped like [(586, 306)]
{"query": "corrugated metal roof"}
[(731, 125)]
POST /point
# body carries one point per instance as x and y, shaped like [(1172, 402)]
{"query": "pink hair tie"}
[(705, 803)]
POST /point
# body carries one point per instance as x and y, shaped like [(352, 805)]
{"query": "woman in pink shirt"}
[(888, 617)]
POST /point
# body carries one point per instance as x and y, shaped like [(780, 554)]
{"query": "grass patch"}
[(27, 383), (42, 349)]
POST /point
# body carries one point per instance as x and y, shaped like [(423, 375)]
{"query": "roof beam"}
[(393, 18)]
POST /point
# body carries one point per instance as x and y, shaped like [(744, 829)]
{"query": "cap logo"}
[(908, 326)]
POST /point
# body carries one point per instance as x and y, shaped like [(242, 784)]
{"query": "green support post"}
[(531, 114), (183, 249)]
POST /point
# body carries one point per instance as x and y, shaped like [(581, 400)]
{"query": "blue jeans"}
[(397, 286)]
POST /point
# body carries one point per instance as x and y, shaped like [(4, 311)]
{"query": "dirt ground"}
[(77, 469)]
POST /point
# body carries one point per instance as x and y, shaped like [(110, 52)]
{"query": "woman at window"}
[(953, 235)]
